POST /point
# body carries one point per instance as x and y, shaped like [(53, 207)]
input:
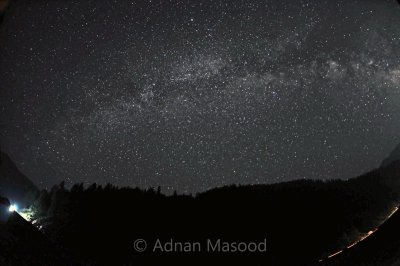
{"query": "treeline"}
[(302, 221)]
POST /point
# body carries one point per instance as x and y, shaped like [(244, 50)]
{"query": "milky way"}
[(190, 95)]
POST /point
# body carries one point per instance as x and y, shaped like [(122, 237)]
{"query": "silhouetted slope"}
[(22, 244), (13, 184), (393, 157), (4, 6), (380, 249)]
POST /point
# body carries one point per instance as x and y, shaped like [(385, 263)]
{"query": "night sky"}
[(191, 95)]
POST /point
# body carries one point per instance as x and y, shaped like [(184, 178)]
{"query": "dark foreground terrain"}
[(382, 248), (293, 223), (23, 244), (300, 222)]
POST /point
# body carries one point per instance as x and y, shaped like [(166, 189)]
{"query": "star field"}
[(190, 95)]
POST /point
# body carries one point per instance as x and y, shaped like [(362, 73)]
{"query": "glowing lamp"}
[(13, 208)]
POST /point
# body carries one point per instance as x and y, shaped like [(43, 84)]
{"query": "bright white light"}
[(13, 208)]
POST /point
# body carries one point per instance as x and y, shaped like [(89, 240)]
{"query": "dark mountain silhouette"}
[(22, 244), (4, 6), (393, 157), (302, 221), (381, 248), (14, 185)]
